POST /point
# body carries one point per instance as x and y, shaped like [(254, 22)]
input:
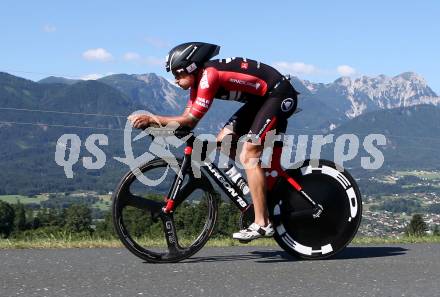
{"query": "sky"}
[(314, 40)]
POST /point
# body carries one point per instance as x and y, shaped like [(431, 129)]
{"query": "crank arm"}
[(317, 208), (311, 212)]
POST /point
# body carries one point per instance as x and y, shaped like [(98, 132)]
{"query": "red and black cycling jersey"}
[(237, 79)]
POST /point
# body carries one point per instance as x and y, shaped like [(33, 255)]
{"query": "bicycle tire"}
[(150, 215), (323, 237)]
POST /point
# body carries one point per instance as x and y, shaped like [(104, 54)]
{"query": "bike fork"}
[(177, 183)]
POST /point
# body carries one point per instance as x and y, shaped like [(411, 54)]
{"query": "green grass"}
[(105, 197), (429, 175), (402, 239), (52, 242), (88, 242), (45, 243), (104, 202), (102, 205), (12, 199)]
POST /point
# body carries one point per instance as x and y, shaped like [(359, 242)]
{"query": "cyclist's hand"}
[(139, 121)]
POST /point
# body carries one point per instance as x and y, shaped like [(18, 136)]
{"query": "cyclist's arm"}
[(202, 98), (186, 119), (198, 104)]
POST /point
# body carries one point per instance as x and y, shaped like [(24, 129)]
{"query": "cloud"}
[(300, 68), (97, 54), (346, 70), (95, 76), (92, 76), (297, 68), (157, 42), (49, 28), (131, 56)]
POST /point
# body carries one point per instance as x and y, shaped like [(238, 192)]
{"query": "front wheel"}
[(146, 230), (322, 237)]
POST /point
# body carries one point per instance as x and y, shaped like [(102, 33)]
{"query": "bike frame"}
[(289, 206), (229, 188)]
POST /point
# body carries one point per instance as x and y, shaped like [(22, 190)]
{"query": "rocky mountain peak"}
[(150, 78), (411, 76), (343, 81), (355, 96)]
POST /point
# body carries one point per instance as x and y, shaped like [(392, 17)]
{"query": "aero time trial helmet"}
[(189, 56)]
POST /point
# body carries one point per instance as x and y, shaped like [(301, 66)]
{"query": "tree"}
[(105, 228), (436, 231), (6, 219), (416, 227), (20, 217), (29, 217), (50, 217), (78, 218)]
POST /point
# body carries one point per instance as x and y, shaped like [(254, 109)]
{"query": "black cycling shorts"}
[(259, 115)]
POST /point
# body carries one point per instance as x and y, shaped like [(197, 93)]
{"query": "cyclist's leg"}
[(272, 116), (249, 157), (228, 134)]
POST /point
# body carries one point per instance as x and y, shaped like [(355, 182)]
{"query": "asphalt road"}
[(392, 270)]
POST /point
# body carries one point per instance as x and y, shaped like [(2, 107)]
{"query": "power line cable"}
[(124, 116), (60, 126), (62, 112), (421, 147), (42, 73)]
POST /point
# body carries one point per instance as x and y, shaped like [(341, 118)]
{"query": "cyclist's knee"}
[(250, 154), (226, 141), (226, 133)]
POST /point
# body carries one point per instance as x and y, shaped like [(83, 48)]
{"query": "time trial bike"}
[(315, 207)]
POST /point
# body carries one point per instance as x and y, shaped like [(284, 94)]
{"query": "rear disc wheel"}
[(316, 238)]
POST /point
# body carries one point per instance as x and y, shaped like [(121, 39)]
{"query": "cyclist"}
[(269, 101)]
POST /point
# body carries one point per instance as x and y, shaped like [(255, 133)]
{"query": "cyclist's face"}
[(184, 80)]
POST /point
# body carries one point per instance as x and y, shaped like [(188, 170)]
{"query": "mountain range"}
[(356, 96), (326, 106), (404, 108)]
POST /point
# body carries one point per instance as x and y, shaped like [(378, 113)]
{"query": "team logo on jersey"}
[(244, 65), (287, 104), (245, 83), (204, 81), (202, 102)]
